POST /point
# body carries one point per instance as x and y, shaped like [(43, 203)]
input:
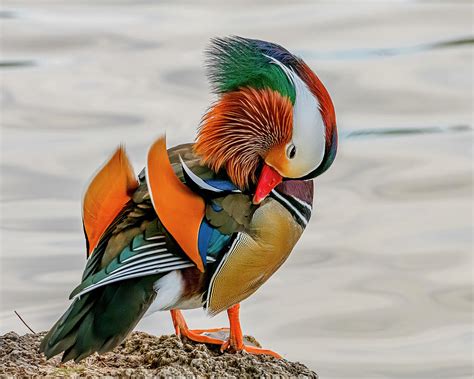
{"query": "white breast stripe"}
[(291, 206), (303, 203), (309, 130)]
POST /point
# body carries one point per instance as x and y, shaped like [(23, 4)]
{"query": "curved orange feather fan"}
[(180, 210), (106, 196)]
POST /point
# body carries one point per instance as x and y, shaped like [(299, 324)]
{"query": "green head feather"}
[(237, 62)]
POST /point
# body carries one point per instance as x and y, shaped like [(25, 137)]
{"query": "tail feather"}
[(71, 318), (86, 341), (99, 320), (61, 335)]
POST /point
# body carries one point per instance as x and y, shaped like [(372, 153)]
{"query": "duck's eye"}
[(291, 151)]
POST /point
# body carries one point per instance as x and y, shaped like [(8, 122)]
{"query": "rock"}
[(11, 336), (143, 355)]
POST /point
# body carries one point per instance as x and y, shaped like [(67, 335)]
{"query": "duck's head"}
[(274, 119)]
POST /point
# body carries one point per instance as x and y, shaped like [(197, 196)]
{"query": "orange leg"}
[(236, 339), (235, 342), (197, 335)]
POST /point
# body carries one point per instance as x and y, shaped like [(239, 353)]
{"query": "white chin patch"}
[(309, 131)]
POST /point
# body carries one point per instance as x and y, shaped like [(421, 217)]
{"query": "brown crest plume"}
[(240, 129)]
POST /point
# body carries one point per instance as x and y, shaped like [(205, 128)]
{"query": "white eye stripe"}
[(303, 203), (309, 130)]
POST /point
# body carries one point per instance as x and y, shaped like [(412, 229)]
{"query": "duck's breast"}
[(257, 253)]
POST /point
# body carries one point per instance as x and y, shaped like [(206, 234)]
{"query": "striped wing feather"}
[(148, 253)]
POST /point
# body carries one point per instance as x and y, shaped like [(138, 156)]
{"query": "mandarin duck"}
[(204, 224)]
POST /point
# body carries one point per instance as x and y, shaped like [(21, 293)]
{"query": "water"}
[(380, 285)]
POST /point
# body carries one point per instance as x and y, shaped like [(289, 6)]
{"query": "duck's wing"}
[(157, 224), (150, 253), (116, 213), (129, 250), (127, 256), (118, 286)]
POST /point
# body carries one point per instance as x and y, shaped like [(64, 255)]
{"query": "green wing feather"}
[(148, 253)]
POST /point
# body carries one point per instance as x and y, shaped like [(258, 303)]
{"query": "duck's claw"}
[(196, 335), (232, 339), (211, 331), (259, 350), (200, 336), (249, 349)]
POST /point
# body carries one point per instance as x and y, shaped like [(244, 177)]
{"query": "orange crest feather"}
[(240, 129)]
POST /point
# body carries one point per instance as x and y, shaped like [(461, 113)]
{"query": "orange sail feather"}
[(180, 210), (106, 196)]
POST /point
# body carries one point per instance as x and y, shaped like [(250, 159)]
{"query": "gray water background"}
[(380, 286)]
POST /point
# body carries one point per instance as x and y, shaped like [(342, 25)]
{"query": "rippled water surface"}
[(380, 285)]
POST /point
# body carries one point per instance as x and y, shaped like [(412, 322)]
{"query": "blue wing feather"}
[(223, 185), (211, 241)]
